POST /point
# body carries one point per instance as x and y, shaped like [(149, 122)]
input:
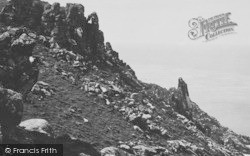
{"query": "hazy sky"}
[(163, 21), (152, 37)]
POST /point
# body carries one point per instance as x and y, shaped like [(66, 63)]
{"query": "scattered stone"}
[(146, 116), (143, 150), (123, 146), (113, 151), (42, 89), (138, 129), (23, 44), (110, 151), (85, 120), (107, 102)]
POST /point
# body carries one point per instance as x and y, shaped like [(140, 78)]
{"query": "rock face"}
[(67, 26), (183, 87), (54, 61), (77, 27), (27, 12), (182, 99), (17, 72)]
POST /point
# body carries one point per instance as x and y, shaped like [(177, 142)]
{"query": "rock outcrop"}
[(67, 26), (25, 12), (182, 100), (18, 74), (18, 69)]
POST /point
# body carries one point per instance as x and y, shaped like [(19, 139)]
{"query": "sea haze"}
[(218, 77)]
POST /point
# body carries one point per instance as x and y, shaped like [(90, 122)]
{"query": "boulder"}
[(11, 104), (38, 125), (11, 111)]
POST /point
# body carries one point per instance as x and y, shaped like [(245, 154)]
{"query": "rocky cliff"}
[(60, 83)]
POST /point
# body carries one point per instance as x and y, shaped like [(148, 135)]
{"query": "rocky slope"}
[(56, 70)]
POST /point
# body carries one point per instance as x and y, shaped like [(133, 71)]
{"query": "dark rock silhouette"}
[(17, 71), (183, 87), (11, 111), (67, 26), (182, 99)]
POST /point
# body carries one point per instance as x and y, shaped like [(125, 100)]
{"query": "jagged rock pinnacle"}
[(182, 100), (183, 87)]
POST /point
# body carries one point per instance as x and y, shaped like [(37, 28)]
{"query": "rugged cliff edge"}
[(67, 86)]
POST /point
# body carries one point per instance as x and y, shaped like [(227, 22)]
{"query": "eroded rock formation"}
[(67, 26), (182, 100)]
